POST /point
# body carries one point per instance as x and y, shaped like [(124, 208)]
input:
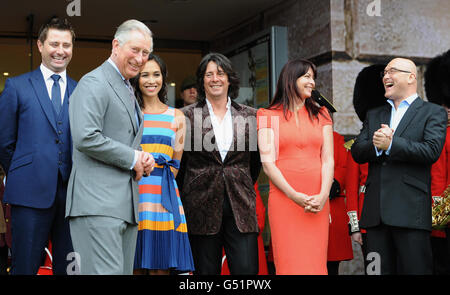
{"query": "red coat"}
[(261, 216), (339, 241), (440, 176), (356, 179)]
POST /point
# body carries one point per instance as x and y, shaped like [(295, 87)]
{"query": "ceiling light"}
[(173, 84), (6, 74)]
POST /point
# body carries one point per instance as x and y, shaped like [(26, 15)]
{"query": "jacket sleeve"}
[(363, 150), (439, 172), (87, 109), (428, 150), (9, 107)]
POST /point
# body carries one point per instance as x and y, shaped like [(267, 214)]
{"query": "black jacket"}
[(398, 187)]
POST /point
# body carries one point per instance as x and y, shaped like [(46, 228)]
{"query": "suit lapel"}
[(69, 89), (385, 116), (408, 116), (208, 132), (118, 85), (38, 84)]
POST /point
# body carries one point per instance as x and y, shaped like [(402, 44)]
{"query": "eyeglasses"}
[(392, 71)]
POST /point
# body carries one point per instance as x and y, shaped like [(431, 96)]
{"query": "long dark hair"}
[(162, 94), (221, 61), (287, 89)]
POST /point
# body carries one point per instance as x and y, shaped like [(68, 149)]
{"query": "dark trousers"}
[(241, 249), (31, 229), (333, 268), (400, 250), (3, 260)]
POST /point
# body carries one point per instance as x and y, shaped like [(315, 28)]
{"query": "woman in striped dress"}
[(162, 242)]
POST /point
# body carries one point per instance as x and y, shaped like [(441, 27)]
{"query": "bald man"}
[(400, 141)]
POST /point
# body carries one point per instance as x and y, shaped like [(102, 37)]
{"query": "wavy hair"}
[(221, 61)]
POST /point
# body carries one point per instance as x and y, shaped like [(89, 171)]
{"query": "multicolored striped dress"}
[(159, 245)]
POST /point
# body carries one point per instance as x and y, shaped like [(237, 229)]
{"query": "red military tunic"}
[(440, 176), (355, 185), (339, 241)]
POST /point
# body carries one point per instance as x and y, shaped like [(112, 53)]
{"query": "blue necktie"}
[(56, 93)]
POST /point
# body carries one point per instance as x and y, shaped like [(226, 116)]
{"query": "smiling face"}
[(131, 56), (56, 50), (215, 82), (151, 80), (400, 79), (306, 84)]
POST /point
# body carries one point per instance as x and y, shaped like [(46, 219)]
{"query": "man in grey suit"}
[(107, 126)]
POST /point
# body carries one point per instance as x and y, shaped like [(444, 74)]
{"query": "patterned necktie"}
[(131, 90), (133, 98), (56, 93)]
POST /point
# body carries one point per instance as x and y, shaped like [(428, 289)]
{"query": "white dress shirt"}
[(223, 131), (47, 74), (397, 115)]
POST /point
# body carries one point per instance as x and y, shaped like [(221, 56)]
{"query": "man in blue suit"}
[(36, 151)]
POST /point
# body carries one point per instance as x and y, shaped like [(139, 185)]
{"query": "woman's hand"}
[(301, 199), (316, 203)]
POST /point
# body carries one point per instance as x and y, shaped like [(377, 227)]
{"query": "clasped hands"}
[(382, 138), (311, 204), (144, 165)]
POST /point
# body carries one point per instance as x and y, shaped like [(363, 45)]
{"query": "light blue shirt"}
[(396, 117)]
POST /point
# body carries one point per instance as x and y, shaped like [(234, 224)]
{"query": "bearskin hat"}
[(437, 79), (369, 90)]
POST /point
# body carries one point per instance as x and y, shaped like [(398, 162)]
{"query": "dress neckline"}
[(157, 113)]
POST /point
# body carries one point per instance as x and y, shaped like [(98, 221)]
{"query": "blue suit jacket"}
[(35, 143)]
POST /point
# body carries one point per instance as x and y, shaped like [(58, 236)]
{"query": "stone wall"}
[(342, 38), (414, 29)]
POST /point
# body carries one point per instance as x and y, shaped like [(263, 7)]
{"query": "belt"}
[(169, 198)]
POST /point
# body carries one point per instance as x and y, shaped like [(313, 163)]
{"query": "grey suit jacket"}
[(105, 135)]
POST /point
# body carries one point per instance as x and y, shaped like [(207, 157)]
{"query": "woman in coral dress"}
[(295, 139), (162, 242)]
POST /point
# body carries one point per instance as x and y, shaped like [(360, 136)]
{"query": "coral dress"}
[(299, 239), (162, 241)]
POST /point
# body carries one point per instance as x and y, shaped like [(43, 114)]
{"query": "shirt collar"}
[(115, 67), (227, 106), (47, 73), (408, 101)]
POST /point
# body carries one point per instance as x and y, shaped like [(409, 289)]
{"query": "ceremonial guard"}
[(368, 93), (437, 81)]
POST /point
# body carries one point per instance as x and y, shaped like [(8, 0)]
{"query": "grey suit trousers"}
[(106, 245)]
